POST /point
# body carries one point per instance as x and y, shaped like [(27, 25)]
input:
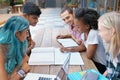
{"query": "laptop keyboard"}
[(44, 78)]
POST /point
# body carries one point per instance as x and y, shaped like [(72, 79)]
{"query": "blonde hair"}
[(112, 20)]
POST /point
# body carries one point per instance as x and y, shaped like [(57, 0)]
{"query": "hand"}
[(25, 59), (32, 45), (78, 42), (60, 37), (64, 49)]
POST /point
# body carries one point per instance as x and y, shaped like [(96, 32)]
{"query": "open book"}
[(53, 56), (67, 42), (42, 56)]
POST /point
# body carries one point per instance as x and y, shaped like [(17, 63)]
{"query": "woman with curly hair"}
[(86, 22)]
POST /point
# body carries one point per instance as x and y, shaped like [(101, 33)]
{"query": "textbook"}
[(67, 42), (90, 74), (42, 56), (52, 56)]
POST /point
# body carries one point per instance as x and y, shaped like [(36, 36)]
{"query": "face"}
[(67, 17), (33, 19), (105, 33), (22, 35), (80, 26)]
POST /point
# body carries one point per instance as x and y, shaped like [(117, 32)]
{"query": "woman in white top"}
[(86, 22)]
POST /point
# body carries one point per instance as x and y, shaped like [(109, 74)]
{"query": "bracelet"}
[(21, 73)]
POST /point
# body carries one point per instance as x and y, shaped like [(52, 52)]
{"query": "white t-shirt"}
[(94, 38)]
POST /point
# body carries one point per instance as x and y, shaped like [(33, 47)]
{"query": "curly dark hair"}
[(88, 16), (31, 9)]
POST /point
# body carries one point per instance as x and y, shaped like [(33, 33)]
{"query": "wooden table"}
[(46, 37)]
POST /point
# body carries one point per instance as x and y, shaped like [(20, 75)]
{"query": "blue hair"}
[(16, 48)]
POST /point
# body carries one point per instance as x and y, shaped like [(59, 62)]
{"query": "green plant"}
[(19, 2), (72, 3), (4, 3)]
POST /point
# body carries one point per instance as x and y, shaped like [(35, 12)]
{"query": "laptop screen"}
[(62, 74)]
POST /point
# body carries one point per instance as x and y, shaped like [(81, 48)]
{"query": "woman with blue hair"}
[(13, 45)]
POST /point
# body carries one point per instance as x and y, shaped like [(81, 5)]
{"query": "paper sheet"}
[(53, 56), (67, 42)]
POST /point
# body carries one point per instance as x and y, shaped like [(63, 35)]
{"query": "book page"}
[(67, 42), (60, 57), (42, 56), (53, 56), (43, 49)]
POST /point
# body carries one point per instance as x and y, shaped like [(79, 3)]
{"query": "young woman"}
[(86, 22), (109, 30), (13, 45)]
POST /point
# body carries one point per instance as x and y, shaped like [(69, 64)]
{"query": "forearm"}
[(76, 40), (25, 59), (67, 36), (15, 76), (20, 73), (3, 75), (73, 49), (78, 49)]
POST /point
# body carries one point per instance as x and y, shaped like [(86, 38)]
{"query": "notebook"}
[(42, 56), (53, 56), (62, 74), (67, 42)]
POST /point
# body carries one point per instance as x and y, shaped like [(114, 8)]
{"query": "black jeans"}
[(101, 68)]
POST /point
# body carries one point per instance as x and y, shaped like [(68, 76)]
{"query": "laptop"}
[(62, 74)]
